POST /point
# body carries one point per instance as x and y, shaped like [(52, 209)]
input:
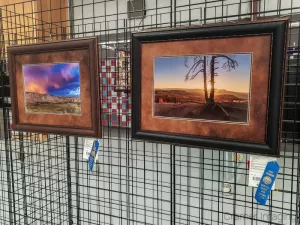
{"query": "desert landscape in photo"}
[(204, 87), (52, 88)]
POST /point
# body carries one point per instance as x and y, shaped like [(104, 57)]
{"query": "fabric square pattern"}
[(116, 106)]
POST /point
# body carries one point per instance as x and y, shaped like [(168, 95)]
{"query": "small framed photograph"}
[(54, 87), (219, 86), (123, 71)]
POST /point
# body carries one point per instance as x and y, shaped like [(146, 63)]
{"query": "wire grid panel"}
[(40, 183), (47, 181), (5, 184)]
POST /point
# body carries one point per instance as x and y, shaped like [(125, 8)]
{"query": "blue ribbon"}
[(93, 154), (266, 182)]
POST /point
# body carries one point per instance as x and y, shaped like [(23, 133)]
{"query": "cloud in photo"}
[(62, 79)]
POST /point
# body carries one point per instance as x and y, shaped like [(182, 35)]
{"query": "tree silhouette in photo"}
[(209, 65)]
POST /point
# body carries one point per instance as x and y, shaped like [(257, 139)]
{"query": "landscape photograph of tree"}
[(52, 88), (213, 87)]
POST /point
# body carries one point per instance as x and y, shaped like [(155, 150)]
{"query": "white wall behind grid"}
[(108, 16)]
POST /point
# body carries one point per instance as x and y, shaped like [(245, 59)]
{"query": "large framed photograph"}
[(54, 87), (218, 86)]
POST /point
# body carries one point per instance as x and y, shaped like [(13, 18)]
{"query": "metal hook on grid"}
[(133, 10), (200, 17), (50, 36), (142, 20), (139, 29), (132, 5)]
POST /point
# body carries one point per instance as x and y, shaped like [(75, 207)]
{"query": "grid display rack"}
[(44, 179)]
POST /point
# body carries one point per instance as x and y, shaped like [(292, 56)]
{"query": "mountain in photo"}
[(220, 94), (35, 98)]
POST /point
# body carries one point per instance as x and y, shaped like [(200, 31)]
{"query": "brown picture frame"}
[(265, 40), (82, 51)]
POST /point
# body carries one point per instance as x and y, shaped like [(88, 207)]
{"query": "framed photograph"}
[(219, 86), (54, 87), (123, 71)]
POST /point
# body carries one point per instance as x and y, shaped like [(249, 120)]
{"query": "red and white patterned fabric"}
[(115, 106)]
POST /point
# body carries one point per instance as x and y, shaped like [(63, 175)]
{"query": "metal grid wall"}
[(135, 182)]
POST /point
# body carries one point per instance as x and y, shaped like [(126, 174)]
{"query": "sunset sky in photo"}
[(170, 73), (61, 79)]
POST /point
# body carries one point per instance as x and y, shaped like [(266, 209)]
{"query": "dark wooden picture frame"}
[(83, 53), (267, 42)]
